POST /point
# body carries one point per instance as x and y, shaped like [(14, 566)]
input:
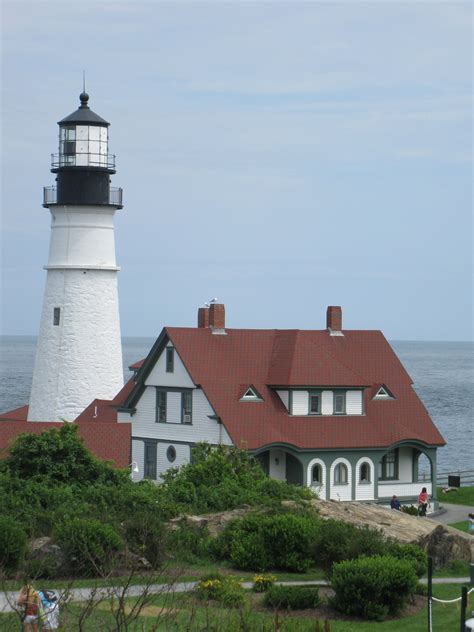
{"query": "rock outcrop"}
[(443, 543)]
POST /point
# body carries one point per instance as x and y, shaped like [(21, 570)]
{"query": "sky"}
[(281, 156)]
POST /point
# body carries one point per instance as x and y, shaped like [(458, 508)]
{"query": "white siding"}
[(138, 455), (341, 492), (159, 376), (300, 403), (387, 490), (284, 396), (277, 470), (183, 454), (202, 428), (354, 403), (173, 408), (405, 465), (319, 489), (327, 402), (364, 491)]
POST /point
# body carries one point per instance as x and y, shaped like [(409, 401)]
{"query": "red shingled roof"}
[(107, 439), (221, 364)]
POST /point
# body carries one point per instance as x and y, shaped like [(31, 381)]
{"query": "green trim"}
[(384, 476), (188, 392), (159, 405), (319, 395), (169, 360), (149, 460)]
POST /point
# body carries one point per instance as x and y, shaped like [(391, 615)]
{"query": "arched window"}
[(340, 474), (317, 475), (364, 473)]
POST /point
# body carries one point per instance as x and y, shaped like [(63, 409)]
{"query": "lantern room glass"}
[(83, 146)]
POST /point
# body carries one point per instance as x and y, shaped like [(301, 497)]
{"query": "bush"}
[(145, 535), (337, 541), (372, 587), (261, 583), (226, 590), (292, 597), (188, 543), (91, 547), (410, 510), (13, 544), (412, 553), (257, 542)]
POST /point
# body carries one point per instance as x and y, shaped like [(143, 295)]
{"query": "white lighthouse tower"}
[(79, 351)]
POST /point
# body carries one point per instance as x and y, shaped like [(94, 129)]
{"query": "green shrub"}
[(258, 542), (337, 541), (91, 547), (372, 587), (410, 510), (413, 553), (188, 543), (261, 583), (292, 597), (226, 590), (145, 535), (13, 544)]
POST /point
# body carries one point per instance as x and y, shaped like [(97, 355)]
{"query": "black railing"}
[(50, 196), (104, 161)]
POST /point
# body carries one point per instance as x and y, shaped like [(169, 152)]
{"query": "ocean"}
[(443, 373)]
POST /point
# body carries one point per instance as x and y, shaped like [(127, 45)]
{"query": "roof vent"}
[(334, 320)]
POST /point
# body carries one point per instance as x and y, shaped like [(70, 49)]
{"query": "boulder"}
[(47, 554), (443, 543)]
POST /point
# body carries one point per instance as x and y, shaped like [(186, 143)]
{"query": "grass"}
[(462, 496), (182, 612), (462, 526)]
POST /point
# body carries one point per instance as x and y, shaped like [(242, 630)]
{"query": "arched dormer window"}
[(317, 475), (364, 473), (340, 474)]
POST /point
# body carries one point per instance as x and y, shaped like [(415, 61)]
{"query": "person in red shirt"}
[(423, 502)]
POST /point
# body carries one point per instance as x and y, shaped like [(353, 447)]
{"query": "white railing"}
[(387, 490)]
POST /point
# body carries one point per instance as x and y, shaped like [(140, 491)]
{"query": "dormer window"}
[(315, 403), (251, 395), (383, 393), (339, 403)]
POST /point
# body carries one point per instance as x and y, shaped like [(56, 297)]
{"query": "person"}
[(395, 503), (470, 524), (29, 599), (50, 615), (423, 502)]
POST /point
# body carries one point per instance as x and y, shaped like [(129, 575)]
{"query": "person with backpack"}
[(50, 610), (29, 599)]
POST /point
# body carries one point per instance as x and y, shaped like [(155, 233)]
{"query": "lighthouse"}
[(79, 351)]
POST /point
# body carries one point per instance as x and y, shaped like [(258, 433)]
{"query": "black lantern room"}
[(83, 165)]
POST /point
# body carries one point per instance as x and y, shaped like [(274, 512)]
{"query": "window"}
[(169, 360), (56, 315), (340, 474), (171, 453), (187, 407), (388, 466), (364, 473), (149, 469), (315, 403), (251, 394), (160, 406), (339, 403), (383, 393), (317, 475)]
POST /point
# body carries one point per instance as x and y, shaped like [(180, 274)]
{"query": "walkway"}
[(8, 598), (453, 513)]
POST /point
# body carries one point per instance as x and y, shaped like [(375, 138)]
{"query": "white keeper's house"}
[(332, 409)]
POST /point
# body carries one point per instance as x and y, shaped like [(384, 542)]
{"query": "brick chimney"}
[(217, 318), (203, 317), (334, 320)]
